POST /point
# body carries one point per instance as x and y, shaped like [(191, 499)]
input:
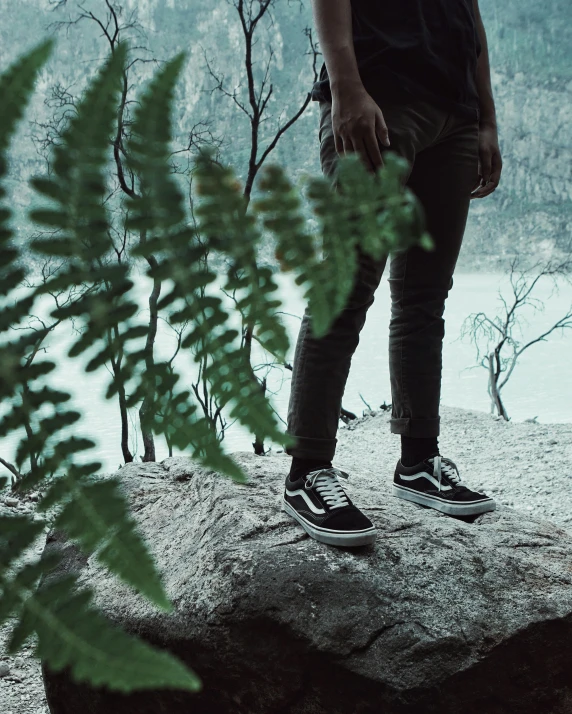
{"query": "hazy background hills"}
[(530, 49)]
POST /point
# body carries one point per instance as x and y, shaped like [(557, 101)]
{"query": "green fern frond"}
[(43, 437), (281, 213), (228, 371), (229, 228), (374, 214), (15, 313), (79, 211), (329, 278), (98, 519), (158, 212), (69, 633), (17, 533), (78, 164), (72, 634), (14, 351), (159, 204), (178, 418), (16, 86)]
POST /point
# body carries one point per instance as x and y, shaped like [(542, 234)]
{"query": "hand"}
[(358, 125), (490, 162)]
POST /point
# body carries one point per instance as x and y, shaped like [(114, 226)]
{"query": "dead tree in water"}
[(498, 332), (254, 104)]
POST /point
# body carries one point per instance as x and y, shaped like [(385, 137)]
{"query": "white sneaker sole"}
[(331, 537), (451, 509)]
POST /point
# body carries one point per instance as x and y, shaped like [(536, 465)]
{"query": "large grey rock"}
[(440, 615)]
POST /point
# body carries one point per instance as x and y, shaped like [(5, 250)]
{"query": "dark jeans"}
[(442, 150)]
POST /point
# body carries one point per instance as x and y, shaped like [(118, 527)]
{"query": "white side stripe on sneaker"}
[(310, 504), (429, 477)]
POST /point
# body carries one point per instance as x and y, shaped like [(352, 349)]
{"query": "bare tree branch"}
[(500, 330), (13, 470)]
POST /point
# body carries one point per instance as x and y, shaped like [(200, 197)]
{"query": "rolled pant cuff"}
[(416, 428), (308, 448)]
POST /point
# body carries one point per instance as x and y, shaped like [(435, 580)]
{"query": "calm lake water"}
[(541, 384)]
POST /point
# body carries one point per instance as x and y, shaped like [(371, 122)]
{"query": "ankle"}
[(414, 450), (301, 467)]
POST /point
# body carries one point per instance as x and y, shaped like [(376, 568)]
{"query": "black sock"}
[(414, 450), (301, 467)]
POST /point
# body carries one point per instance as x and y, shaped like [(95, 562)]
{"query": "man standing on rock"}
[(414, 73)]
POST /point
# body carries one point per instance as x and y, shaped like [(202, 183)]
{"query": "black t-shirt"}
[(415, 49)]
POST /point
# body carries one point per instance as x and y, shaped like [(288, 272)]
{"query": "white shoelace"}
[(443, 465), (327, 484)]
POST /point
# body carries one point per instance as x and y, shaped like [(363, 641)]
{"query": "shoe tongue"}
[(431, 456), (444, 475), (332, 486)]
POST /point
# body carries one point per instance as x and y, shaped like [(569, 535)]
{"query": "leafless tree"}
[(43, 328), (253, 102), (114, 28), (503, 349)]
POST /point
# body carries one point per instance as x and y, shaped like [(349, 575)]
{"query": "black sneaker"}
[(435, 482), (319, 502)]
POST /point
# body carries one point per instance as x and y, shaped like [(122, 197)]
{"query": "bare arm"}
[(483, 76), (490, 160), (357, 121), (333, 19)]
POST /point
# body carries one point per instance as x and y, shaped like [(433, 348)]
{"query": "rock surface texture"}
[(441, 615)]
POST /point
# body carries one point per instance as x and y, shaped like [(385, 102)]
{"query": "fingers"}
[(487, 188), (489, 176), (483, 191), (367, 144), (372, 153), (339, 144), (371, 158), (381, 129), (485, 170), (347, 145)]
